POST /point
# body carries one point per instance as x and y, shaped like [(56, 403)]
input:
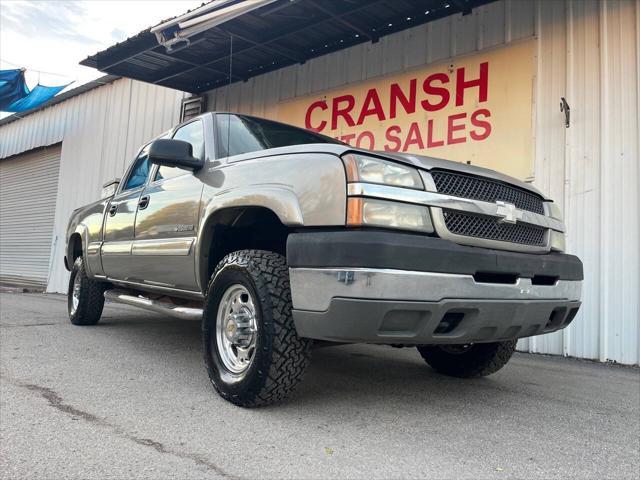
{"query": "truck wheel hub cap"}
[(236, 329)]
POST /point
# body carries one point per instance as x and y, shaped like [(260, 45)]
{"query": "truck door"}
[(120, 219), (167, 221)]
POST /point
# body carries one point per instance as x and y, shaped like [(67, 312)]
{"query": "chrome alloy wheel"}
[(75, 293), (236, 329)]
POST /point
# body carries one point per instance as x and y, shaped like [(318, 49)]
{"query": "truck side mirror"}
[(109, 189), (174, 153)]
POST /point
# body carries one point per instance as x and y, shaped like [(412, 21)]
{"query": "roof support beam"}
[(280, 51), (193, 64)]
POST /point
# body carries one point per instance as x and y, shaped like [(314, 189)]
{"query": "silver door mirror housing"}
[(174, 153), (109, 189)]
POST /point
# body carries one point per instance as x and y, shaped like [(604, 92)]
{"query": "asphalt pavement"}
[(130, 398)]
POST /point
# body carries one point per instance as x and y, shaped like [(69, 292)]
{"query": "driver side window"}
[(191, 133), (140, 171)]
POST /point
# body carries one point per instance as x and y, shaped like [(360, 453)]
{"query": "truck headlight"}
[(383, 213), (553, 210), (363, 168)]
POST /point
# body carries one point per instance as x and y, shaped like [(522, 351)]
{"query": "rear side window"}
[(239, 134)]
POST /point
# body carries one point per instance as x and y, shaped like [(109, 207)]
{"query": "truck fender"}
[(81, 231), (282, 201)]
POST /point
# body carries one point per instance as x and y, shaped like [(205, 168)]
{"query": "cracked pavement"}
[(130, 398)]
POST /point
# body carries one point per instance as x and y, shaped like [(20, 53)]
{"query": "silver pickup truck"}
[(276, 237)]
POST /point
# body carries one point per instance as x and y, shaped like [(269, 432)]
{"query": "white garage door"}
[(28, 187)]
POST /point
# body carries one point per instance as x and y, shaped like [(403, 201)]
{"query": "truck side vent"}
[(192, 107)]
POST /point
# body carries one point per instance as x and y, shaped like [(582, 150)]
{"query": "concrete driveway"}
[(129, 398)]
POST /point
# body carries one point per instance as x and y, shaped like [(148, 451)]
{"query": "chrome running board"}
[(164, 307)]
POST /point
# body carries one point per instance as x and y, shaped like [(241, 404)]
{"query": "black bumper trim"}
[(404, 251)]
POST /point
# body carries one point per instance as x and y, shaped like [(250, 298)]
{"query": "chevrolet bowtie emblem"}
[(508, 212)]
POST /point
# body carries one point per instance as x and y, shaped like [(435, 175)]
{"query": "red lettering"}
[(371, 106), (392, 136), (486, 126), (482, 83), (441, 92), (347, 138), (431, 143), (322, 105), (452, 128), (413, 137), (344, 112), (397, 95), (363, 135)]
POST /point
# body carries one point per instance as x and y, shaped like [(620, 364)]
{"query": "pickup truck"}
[(276, 237)]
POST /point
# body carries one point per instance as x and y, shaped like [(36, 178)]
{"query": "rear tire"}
[(85, 298), (252, 352), (476, 360)]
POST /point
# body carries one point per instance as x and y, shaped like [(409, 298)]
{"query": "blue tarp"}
[(12, 87), (15, 95)]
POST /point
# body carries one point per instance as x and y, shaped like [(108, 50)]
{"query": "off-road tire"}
[(480, 360), (91, 299), (280, 357)]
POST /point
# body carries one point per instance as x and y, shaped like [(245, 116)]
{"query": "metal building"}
[(587, 52)]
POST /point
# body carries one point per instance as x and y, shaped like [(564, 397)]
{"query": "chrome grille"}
[(485, 189), (480, 226)]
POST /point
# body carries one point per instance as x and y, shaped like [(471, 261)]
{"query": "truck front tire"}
[(85, 298), (252, 352), (468, 361)]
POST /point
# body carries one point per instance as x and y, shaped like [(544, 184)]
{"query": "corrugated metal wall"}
[(100, 131), (588, 52)]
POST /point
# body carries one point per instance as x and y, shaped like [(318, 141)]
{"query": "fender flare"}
[(281, 200), (81, 230)]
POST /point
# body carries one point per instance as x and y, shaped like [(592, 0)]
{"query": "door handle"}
[(113, 210), (143, 202)]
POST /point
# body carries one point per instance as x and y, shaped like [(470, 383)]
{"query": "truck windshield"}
[(242, 134)]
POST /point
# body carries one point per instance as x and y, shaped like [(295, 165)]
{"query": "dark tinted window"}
[(140, 170), (192, 133), (248, 134)]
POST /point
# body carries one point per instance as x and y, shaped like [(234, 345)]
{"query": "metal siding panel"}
[(520, 17), (415, 48), (492, 31), (355, 63), (464, 34), (437, 49), (582, 201)]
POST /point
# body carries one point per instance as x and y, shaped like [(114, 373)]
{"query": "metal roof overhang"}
[(273, 35)]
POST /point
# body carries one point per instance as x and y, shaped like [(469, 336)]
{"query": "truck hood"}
[(419, 161)]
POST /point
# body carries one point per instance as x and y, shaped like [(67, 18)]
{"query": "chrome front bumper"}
[(413, 307)]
